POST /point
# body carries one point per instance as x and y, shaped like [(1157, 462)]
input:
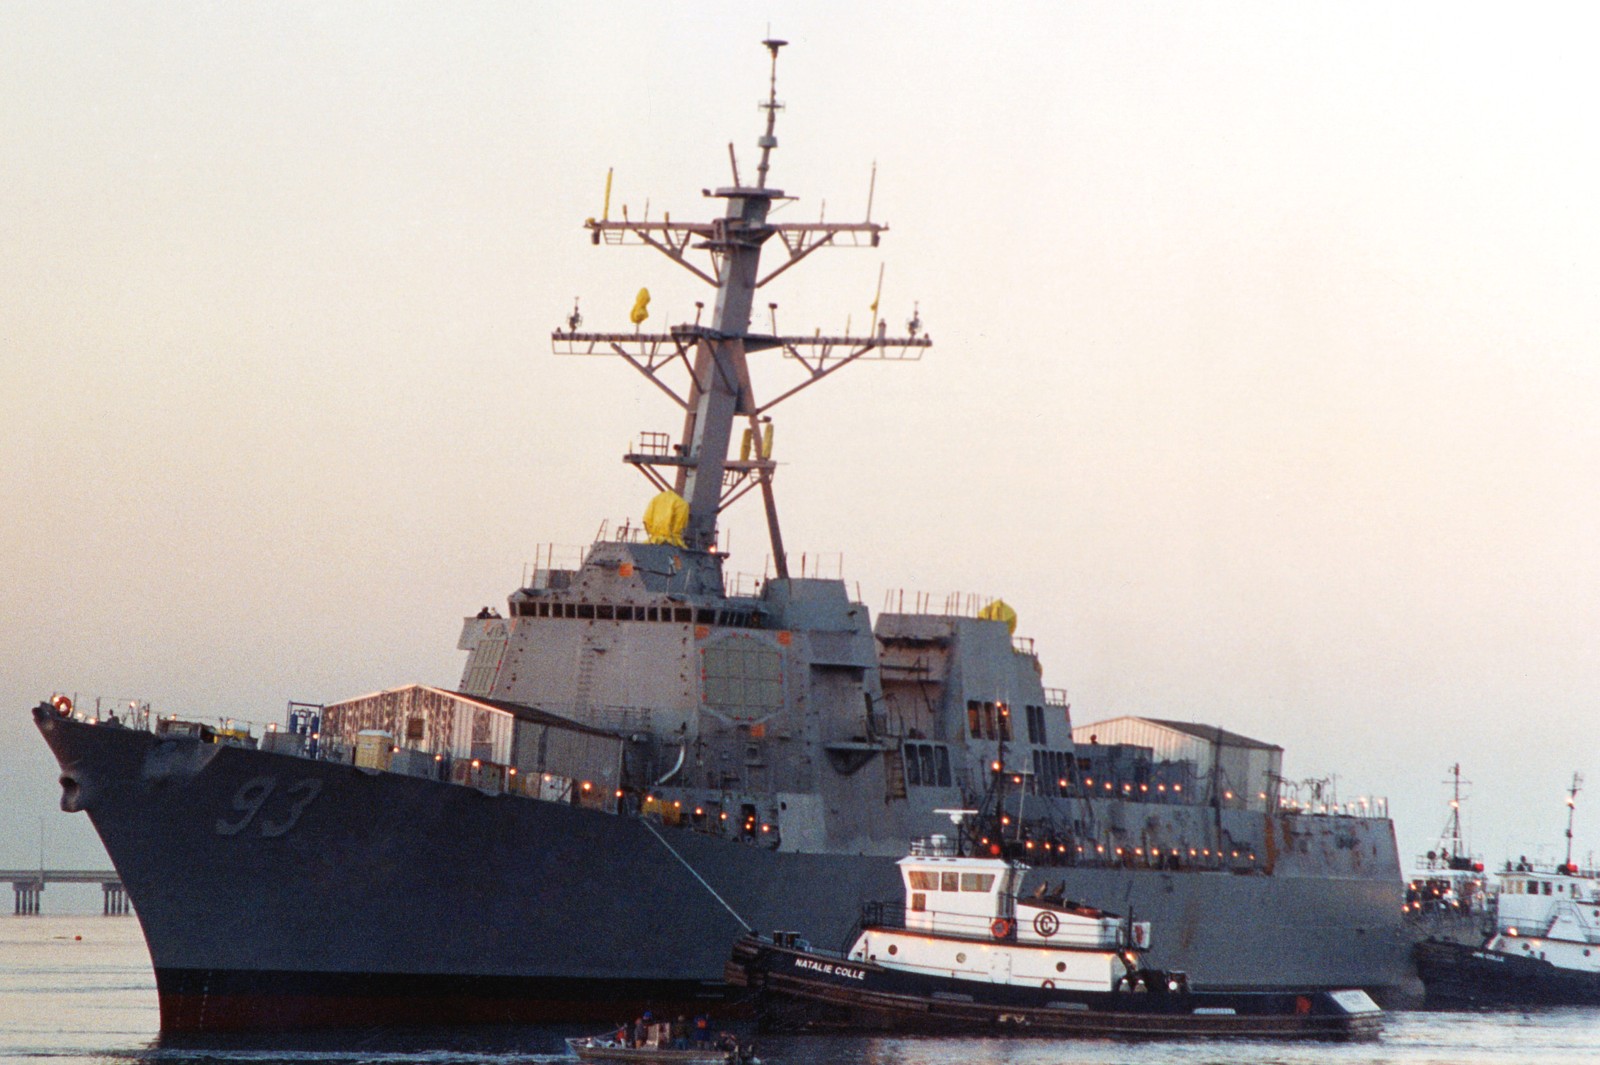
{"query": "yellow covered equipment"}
[(641, 307), (999, 610), (665, 519)]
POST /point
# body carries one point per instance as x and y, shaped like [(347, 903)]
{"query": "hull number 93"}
[(272, 818)]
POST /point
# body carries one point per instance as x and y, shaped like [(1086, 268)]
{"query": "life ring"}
[(1000, 928), (62, 704), (1048, 985)]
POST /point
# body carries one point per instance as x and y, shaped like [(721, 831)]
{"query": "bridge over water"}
[(29, 884)]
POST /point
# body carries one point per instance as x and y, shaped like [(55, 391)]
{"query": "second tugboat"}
[(965, 953), (1447, 891), (1544, 948)]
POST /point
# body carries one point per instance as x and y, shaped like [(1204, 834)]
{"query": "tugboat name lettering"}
[(830, 969)]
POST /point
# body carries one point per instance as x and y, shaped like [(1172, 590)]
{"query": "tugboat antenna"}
[(956, 818), (1453, 843), (1572, 805)]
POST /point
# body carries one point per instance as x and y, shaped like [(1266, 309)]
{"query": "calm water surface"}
[(92, 1001)]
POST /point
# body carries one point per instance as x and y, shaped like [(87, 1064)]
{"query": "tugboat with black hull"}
[(1545, 945), (965, 952)]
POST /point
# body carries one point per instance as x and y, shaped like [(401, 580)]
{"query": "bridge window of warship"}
[(988, 721), (1036, 726), (682, 615), (927, 765), (1052, 773)]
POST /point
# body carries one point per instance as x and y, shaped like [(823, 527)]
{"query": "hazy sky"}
[(1264, 384)]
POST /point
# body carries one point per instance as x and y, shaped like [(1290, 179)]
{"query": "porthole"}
[(961, 959), (1061, 966), (893, 949)]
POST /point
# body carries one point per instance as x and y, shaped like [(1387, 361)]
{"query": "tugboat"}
[(1447, 890), (1545, 943), (964, 953)]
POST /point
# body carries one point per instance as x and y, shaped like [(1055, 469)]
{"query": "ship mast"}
[(1572, 806), (719, 392), (1455, 849)]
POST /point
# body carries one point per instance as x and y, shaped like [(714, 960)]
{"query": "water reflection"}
[(1545, 1037)]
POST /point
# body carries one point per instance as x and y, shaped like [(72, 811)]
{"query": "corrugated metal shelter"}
[(467, 727), (1242, 772)]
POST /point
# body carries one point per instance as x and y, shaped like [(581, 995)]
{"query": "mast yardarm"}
[(719, 393)]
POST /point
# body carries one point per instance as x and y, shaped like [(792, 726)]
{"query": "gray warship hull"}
[(388, 899)]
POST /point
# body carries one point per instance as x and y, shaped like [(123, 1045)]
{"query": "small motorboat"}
[(965, 953), (656, 1049)]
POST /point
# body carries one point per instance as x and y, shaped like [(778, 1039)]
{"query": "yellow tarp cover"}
[(665, 519), (999, 610), (641, 307)]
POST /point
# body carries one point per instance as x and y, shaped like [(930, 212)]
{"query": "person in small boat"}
[(702, 1030), (680, 1033)]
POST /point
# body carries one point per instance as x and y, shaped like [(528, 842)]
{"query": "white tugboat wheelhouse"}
[(962, 918)]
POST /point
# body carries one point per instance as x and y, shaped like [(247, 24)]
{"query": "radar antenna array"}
[(719, 390)]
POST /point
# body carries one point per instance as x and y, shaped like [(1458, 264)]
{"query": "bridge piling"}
[(29, 884), (115, 899), (28, 892)]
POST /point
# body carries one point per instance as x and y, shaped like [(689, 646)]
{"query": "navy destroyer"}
[(644, 758)]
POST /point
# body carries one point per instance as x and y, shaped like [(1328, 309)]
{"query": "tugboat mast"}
[(698, 468), (1456, 849), (1572, 806)]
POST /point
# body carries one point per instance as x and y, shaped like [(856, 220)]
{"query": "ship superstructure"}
[(642, 762)]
